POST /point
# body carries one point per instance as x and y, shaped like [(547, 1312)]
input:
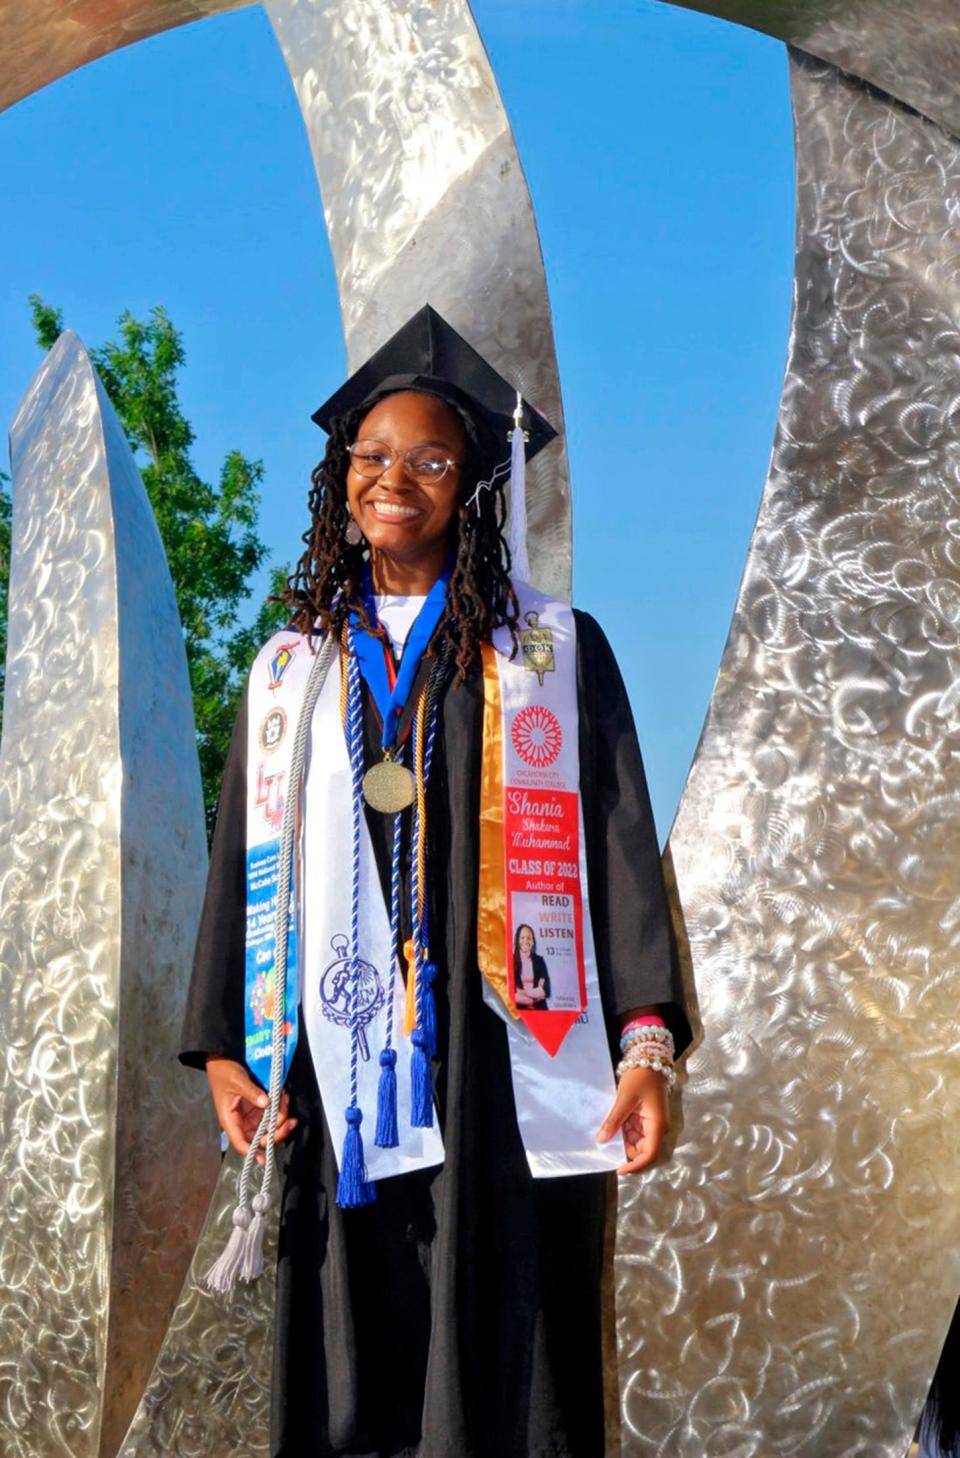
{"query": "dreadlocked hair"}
[(326, 584)]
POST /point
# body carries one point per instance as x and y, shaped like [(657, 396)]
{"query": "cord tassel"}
[(421, 1083), (353, 1187), (251, 1264), (428, 1008), (388, 1134), (223, 1274)]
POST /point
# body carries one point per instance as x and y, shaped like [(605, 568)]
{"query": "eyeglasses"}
[(426, 464)]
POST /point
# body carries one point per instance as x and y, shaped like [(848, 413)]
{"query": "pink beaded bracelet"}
[(638, 1025), (650, 1021)]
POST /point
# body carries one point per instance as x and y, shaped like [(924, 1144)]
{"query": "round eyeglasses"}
[(426, 464)]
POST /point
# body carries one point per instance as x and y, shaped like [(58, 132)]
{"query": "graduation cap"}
[(428, 354)]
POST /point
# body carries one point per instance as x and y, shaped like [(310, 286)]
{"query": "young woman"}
[(531, 980), (440, 1262)]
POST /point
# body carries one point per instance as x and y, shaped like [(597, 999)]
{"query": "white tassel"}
[(222, 1275), (251, 1265), (517, 529)]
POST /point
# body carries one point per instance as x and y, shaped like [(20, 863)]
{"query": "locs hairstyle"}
[(480, 596)]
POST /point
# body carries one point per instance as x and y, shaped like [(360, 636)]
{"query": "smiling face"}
[(408, 522), (525, 941)]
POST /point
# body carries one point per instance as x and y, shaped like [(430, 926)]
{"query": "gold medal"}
[(388, 787)]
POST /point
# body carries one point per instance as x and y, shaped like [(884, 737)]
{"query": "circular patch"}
[(272, 730), (537, 736)]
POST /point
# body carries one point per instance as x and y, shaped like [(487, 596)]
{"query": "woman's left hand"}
[(640, 1111)]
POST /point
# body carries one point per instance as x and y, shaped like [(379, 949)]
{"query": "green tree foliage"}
[(209, 531)]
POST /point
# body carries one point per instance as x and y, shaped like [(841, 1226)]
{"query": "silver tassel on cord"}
[(517, 528), (242, 1258)]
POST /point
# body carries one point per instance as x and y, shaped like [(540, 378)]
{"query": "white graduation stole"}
[(533, 877), (323, 887)]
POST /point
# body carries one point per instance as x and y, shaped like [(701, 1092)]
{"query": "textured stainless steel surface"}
[(785, 1283), (426, 201), (43, 39), (209, 1392), (909, 48), (104, 1162)]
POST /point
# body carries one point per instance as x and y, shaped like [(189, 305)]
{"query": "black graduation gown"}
[(458, 1316)]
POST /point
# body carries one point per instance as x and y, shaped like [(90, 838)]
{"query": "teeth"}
[(393, 508)]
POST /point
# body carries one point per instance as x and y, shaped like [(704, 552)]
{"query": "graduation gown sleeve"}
[(213, 1021), (635, 943)]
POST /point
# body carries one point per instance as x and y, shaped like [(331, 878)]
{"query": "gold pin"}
[(536, 645)]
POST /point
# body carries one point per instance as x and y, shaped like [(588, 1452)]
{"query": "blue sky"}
[(658, 148)]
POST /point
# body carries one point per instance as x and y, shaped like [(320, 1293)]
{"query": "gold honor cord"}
[(418, 734), (344, 650), (492, 954)]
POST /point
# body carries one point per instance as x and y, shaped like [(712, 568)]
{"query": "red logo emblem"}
[(270, 796), (537, 736)]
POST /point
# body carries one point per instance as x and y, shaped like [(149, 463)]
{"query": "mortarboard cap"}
[(428, 354)]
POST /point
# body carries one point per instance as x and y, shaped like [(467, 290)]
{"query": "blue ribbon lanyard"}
[(390, 698)]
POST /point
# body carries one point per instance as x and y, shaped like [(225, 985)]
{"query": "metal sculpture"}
[(814, 846), (425, 200), (106, 1153), (787, 1280), (45, 39)]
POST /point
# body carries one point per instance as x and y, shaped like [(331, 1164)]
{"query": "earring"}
[(352, 533)]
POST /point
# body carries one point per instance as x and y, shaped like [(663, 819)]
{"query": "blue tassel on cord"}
[(353, 1187), (428, 1007), (421, 1084), (387, 1135)]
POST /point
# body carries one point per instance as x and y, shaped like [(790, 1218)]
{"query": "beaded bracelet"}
[(646, 1020), (652, 1035), (646, 1033), (645, 1055), (648, 1043)]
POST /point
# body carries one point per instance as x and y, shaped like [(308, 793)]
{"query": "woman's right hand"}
[(239, 1104)]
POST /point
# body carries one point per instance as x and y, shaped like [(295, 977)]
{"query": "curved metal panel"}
[(41, 40), (210, 1390), (426, 201), (909, 50), (785, 1283), (103, 1165)]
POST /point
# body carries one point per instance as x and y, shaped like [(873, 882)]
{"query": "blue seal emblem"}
[(337, 992)]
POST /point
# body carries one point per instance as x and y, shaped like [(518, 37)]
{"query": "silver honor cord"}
[(242, 1257)]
